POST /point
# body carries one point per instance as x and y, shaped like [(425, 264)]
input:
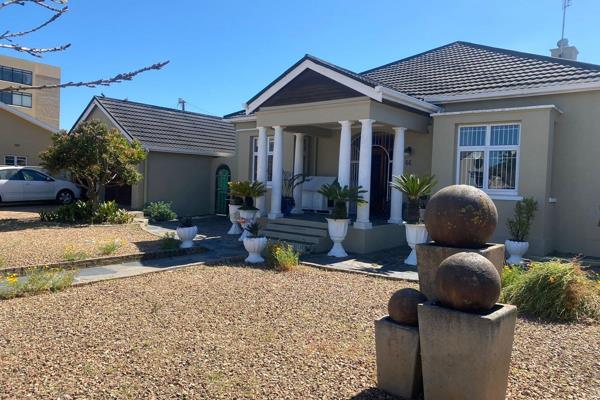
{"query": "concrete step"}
[(304, 230), (286, 236), (300, 222)]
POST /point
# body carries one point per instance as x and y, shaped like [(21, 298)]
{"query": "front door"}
[(222, 190), (379, 183)]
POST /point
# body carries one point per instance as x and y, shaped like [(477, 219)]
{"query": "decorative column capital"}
[(278, 128), (366, 121), (346, 123), (399, 129)]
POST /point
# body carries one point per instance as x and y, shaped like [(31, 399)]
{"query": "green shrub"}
[(36, 280), (159, 211), (72, 254), (109, 247), (553, 290), (520, 224), (81, 212), (169, 241), (110, 212), (281, 256)]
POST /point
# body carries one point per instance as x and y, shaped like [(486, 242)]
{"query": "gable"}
[(310, 86)]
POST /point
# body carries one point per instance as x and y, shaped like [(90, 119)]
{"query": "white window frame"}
[(15, 160), (508, 194), (254, 144)]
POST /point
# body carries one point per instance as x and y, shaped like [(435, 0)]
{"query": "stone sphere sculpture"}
[(461, 216), (402, 306), (467, 282)]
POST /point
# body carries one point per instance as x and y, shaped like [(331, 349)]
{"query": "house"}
[(27, 118), (190, 155), (511, 123)]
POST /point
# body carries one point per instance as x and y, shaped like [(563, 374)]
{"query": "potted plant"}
[(415, 188), (186, 231), (518, 227), (235, 202), (290, 182), (254, 243), (249, 191), (337, 225)]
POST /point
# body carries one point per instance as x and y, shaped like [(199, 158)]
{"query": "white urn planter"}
[(338, 229), (415, 234), (516, 251), (187, 235), (247, 217), (234, 217), (254, 246)]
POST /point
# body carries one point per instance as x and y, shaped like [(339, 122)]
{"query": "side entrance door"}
[(222, 190)]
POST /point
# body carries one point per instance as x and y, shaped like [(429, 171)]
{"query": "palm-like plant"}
[(340, 196), (247, 191), (414, 187), (290, 182)]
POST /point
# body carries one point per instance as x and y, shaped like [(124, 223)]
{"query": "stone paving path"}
[(212, 235)]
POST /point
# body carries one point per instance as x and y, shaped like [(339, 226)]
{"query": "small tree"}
[(95, 156), (520, 224)]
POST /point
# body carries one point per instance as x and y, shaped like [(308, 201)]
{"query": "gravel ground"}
[(232, 332), (31, 242)]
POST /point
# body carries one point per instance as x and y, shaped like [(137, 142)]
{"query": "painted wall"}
[(21, 138), (534, 168), (45, 103), (573, 223)]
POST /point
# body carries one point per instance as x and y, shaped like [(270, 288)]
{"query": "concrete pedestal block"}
[(430, 255), (464, 355), (398, 358)]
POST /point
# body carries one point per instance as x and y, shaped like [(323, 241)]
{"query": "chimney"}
[(563, 50)]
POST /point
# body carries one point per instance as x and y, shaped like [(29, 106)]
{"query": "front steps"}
[(306, 236)]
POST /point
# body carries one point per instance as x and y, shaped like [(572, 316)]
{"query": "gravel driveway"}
[(230, 332)]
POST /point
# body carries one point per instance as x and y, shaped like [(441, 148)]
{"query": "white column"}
[(277, 180), (397, 170), (345, 152), (364, 173), (262, 166), (298, 169)]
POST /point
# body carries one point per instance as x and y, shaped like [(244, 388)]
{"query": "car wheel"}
[(65, 197)]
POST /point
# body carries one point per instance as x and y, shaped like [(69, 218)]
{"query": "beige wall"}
[(572, 224), (45, 103), (534, 169), (22, 138)]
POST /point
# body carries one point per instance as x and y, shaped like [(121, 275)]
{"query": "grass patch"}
[(169, 241), (72, 254), (36, 280), (553, 291), (109, 247), (281, 256)]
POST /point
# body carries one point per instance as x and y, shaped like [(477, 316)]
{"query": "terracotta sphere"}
[(467, 282), (461, 216), (402, 306)]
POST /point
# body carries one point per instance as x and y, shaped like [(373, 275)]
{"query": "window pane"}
[(471, 168), (27, 78), (503, 169), (21, 161), (26, 100), (505, 135), (9, 160), (472, 136), (271, 144), (7, 173), (31, 175), (270, 168)]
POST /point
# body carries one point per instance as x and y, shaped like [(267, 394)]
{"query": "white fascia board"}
[(164, 149), (329, 73), (496, 110), (502, 94), (28, 118), (247, 118), (401, 98)]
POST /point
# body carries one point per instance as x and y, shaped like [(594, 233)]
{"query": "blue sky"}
[(223, 52)]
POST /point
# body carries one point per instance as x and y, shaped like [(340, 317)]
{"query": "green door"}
[(223, 177)]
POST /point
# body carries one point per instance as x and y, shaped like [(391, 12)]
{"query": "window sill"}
[(508, 197)]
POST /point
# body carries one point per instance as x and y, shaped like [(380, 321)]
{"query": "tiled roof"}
[(170, 129), (465, 68)]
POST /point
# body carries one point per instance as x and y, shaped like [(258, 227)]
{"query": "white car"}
[(28, 184)]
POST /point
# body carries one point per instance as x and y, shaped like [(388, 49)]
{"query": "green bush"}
[(36, 280), (109, 247), (553, 291), (281, 256), (72, 254), (159, 211), (81, 212)]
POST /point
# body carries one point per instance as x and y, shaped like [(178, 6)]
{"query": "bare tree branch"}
[(7, 35), (127, 76), (33, 51), (41, 3)]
